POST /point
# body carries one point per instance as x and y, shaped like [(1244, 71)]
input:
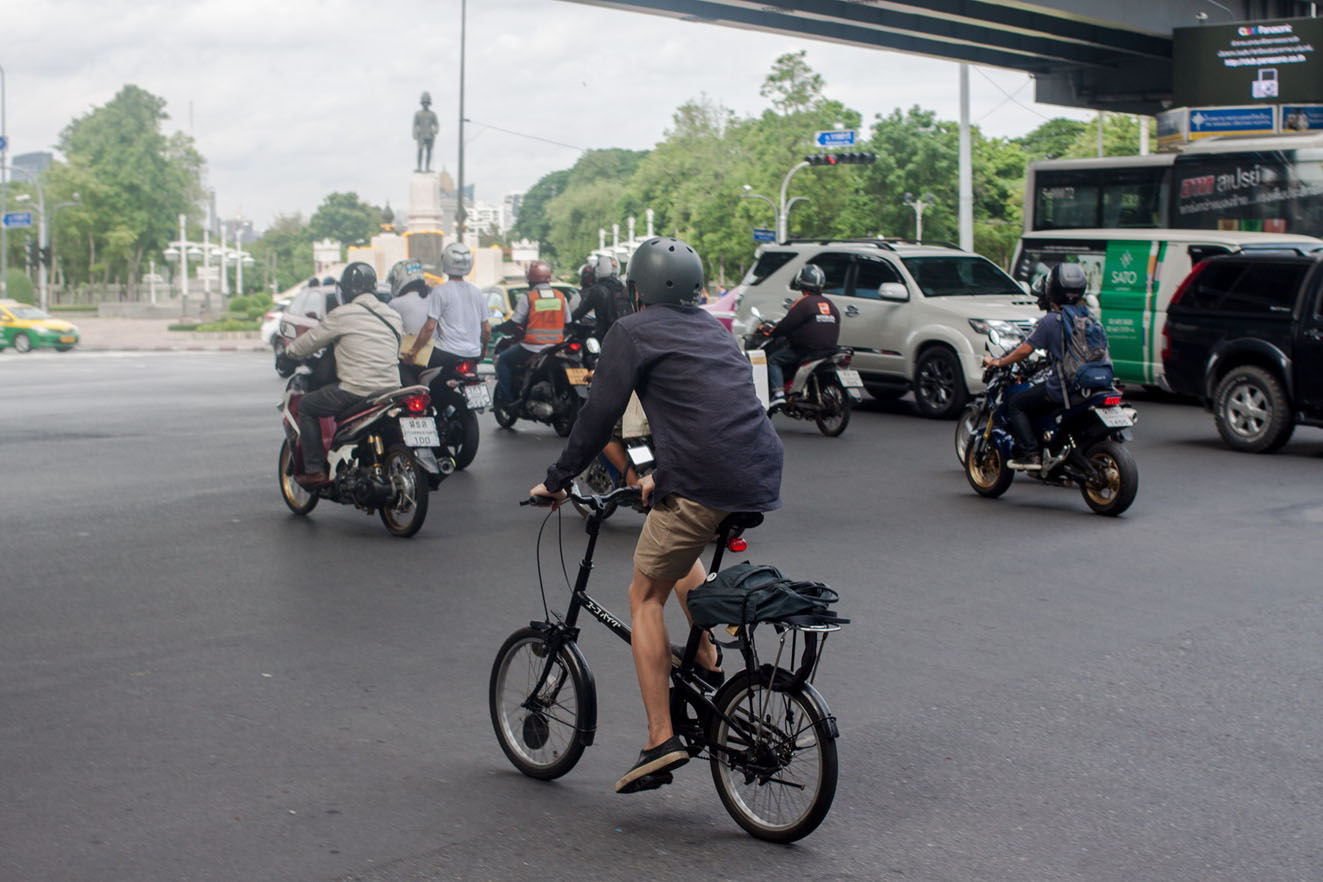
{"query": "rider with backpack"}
[(1076, 345), (605, 296)]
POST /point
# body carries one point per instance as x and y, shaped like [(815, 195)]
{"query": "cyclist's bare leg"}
[(614, 451), (707, 650), (652, 651)]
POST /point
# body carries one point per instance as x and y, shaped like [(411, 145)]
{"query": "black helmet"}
[(1066, 283), (810, 278), (358, 278), (666, 270)]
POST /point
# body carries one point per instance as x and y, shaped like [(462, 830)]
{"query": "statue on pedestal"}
[(425, 128)]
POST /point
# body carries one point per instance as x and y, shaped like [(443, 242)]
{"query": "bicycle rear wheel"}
[(775, 768), (543, 735)]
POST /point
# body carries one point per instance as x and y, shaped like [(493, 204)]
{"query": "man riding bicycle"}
[(658, 352)]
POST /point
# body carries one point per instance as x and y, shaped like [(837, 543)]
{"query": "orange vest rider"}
[(546, 316)]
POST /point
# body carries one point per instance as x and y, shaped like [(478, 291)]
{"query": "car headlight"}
[(1001, 326)]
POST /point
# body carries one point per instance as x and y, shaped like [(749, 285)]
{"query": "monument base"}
[(424, 203)]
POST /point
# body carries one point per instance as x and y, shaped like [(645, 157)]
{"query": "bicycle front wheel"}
[(543, 732), (774, 758)]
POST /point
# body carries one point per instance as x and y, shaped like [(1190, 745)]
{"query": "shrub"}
[(231, 323), (20, 286)]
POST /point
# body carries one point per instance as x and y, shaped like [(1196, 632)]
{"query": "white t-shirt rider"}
[(459, 309)]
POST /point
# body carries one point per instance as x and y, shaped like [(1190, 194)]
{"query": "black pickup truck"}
[(1244, 333)]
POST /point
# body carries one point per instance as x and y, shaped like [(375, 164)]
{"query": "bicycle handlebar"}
[(596, 503)]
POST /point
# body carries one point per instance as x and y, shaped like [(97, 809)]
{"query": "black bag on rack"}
[(748, 593)]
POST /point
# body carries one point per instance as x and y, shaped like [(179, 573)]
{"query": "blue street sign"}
[(18, 219), (836, 138), (764, 236), (1251, 120), (3, 142)]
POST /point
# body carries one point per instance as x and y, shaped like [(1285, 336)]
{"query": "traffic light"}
[(34, 252), (45, 254), (859, 158)]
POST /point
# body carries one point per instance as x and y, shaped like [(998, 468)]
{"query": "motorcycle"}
[(466, 395), (1082, 445), (822, 389), (379, 453), (551, 386)]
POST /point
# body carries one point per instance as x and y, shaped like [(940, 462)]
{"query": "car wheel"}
[(1252, 411), (22, 343), (939, 384)]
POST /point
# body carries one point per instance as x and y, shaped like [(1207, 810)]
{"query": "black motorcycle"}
[(551, 386), (823, 388), (1083, 445), (459, 395)]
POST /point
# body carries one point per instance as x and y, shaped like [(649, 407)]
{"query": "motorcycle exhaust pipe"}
[(446, 465)]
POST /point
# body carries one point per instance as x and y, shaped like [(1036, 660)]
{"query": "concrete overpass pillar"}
[(966, 166)]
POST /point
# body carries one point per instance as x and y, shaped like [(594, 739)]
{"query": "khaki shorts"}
[(674, 535)]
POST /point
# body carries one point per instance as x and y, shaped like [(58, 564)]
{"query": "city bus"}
[(1270, 184)]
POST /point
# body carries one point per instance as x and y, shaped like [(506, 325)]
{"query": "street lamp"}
[(919, 205), (749, 194)]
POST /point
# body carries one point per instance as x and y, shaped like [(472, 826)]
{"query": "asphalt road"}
[(197, 685)]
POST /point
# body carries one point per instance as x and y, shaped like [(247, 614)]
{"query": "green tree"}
[(1051, 140), (285, 250), (532, 223), (346, 219), (1120, 137), (132, 179), (792, 85)]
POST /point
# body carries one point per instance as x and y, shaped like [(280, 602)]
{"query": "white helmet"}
[(456, 259), (606, 267)]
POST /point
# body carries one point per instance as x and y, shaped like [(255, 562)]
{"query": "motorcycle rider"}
[(586, 277), (606, 298), (1062, 287), (456, 313), (366, 334), (812, 325), (408, 297), (661, 352), (541, 314)]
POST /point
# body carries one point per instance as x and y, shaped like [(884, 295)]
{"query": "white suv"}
[(916, 315)]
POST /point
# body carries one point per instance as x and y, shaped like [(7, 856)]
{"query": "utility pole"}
[(460, 214), (966, 173), (4, 192)]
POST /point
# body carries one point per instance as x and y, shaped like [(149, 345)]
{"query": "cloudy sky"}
[(294, 99)]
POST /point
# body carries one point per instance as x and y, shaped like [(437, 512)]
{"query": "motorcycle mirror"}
[(755, 313)]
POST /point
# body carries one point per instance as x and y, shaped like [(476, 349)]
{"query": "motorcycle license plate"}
[(1114, 417), (419, 432), (477, 396), (850, 379), (577, 376), (640, 455)]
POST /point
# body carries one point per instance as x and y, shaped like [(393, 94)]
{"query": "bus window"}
[(1102, 198)]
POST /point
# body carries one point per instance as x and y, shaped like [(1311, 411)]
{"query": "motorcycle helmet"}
[(539, 272), (586, 275), (810, 278), (358, 278), (606, 267), (406, 276), (666, 270), (456, 259), (1066, 283), (1039, 290)]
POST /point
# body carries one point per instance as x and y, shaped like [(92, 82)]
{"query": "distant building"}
[(483, 217), (33, 163), (510, 205), (240, 228)]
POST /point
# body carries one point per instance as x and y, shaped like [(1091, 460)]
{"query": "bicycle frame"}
[(566, 631)]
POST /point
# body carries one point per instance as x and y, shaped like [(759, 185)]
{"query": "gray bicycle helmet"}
[(358, 278), (810, 278), (666, 270), (456, 259)]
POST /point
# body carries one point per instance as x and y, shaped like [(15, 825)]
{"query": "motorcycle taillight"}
[(417, 403), (575, 347), (1112, 401), (464, 367)]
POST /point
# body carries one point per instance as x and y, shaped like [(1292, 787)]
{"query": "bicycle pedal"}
[(648, 782)]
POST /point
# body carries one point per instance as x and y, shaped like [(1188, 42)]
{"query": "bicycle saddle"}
[(737, 520)]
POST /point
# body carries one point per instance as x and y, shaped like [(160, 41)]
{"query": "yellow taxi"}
[(26, 327)]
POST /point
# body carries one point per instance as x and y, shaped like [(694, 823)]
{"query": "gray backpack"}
[(1085, 365)]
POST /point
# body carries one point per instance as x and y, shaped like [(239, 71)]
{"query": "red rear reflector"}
[(417, 403), (1112, 401), (464, 367), (575, 347), (737, 544)]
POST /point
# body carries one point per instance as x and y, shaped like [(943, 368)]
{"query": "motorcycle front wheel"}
[(835, 413), (504, 413), (985, 468), (299, 500), (405, 514), (966, 426), (1116, 490)]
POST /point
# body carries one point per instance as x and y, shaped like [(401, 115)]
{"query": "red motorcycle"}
[(379, 453)]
